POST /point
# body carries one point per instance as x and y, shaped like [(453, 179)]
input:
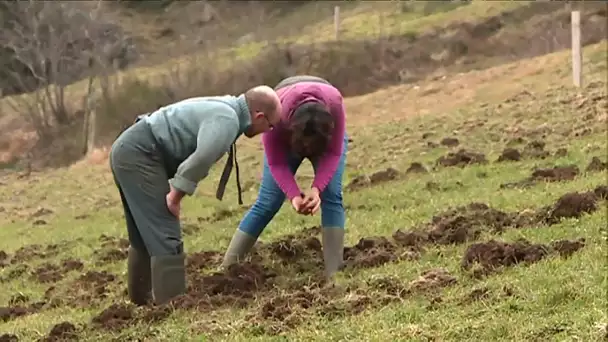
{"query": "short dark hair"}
[(311, 126)]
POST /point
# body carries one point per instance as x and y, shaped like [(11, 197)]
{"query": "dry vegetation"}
[(476, 183)]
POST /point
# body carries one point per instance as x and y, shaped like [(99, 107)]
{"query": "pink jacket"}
[(276, 142)]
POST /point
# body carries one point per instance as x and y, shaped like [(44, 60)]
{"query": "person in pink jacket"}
[(312, 126)]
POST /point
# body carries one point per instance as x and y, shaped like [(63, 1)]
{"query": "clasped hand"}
[(174, 198), (308, 203)]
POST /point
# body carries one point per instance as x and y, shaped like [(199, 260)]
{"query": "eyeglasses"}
[(271, 126)]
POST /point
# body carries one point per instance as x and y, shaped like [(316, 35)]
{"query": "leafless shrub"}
[(53, 44)]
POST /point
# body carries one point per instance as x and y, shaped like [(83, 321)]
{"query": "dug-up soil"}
[(281, 283)]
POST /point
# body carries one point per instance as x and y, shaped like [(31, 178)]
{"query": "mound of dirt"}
[(596, 165), (198, 261), (285, 310), (493, 255), (12, 312), (105, 256), (465, 223), (461, 158), (432, 280), (51, 273), (115, 317), (292, 248), (28, 253), (64, 331), (509, 154), (15, 273), (120, 316), (4, 257), (9, 338), (555, 174), (113, 242), (87, 290), (284, 307), (72, 265), (235, 286), (416, 168), (571, 205), (370, 252), (377, 177), (449, 142), (601, 192), (566, 248), (535, 150), (561, 152), (389, 285), (47, 273)]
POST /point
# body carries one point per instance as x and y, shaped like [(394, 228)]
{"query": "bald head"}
[(264, 99), (264, 107)]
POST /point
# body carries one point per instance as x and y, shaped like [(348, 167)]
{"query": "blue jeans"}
[(271, 198)]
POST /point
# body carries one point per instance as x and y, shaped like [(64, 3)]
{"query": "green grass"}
[(389, 18), (554, 299)]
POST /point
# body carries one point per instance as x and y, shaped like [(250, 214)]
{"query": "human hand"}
[(174, 199), (296, 203), (312, 201)]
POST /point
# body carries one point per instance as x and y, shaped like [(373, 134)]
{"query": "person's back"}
[(159, 160), (176, 126)]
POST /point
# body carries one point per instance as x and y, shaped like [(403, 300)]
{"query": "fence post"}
[(337, 22), (577, 55)]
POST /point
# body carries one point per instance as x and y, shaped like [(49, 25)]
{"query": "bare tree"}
[(55, 43)]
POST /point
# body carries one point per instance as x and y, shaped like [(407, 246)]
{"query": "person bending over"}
[(160, 159), (312, 126)]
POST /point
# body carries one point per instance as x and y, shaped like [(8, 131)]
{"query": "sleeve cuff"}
[(182, 184), (293, 194)]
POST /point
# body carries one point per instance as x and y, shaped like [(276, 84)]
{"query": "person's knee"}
[(332, 206), (262, 211), (332, 195), (159, 245)]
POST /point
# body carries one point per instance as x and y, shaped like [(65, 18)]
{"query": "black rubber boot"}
[(168, 277), (139, 277)]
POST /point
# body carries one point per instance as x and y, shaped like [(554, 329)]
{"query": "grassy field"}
[(412, 234)]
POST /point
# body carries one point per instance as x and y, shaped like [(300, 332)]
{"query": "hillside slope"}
[(488, 226), (474, 36)]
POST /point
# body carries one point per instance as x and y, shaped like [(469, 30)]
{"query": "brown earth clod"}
[(111, 255), (9, 338), (115, 317), (64, 331), (12, 312), (596, 165), (465, 223), (416, 167), (555, 174), (509, 154), (493, 255), (449, 142), (535, 150), (570, 205), (432, 280), (237, 285), (461, 158), (47, 273), (378, 177)]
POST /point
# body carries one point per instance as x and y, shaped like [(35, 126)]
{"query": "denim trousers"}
[(271, 198)]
